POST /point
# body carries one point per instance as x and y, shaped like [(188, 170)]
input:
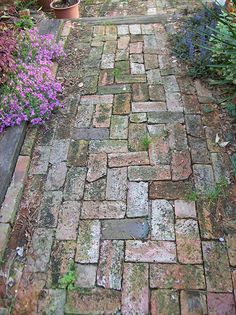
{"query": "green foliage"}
[(146, 141), (68, 279), (191, 196), (117, 72), (25, 4), (25, 23)]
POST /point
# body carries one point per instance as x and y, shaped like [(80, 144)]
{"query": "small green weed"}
[(68, 279), (191, 196), (117, 72), (25, 23), (146, 141)]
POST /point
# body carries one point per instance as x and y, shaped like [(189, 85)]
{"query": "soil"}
[(64, 3)]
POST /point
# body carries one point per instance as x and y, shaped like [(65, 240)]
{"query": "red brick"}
[(103, 210), (127, 159), (221, 304), (136, 48), (102, 116), (181, 165), (159, 151), (123, 42), (122, 104), (164, 302), (185, 209), (97, 166), (193, 302), (169, 190), (145, 107), (106, 77), (149, 173)]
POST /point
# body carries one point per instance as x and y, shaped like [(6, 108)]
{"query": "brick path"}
[(109, 181)]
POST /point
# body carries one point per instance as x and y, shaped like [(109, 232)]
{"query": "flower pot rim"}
[(71, 6)]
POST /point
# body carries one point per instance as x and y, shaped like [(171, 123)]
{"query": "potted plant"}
[(66, 9)]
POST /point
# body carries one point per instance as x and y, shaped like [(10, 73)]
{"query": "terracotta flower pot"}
[(45, 4), (71, 12)]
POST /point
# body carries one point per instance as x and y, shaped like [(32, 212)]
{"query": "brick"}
[(130, 78), (116, 184), (102, 116), (97, 166), (150, 251), (123, 42), (122, 104), (135, 29), (199, 150), (87, 251), (203, 178), (52, 300), (181, 165), (220, 303), (137, 68), (136, 48), (123, 29), (165, 117), (154, 76), (159, 151), (203, 94), (94, 301), (40, 250), (127, 159), (84, 116), (174, 101), (157, 130), (125, 229), (167, 65), (14, 193), (151, 61), (95, 190), (185, 209), (136, 58), (231, 247), (68, 220), (193, 302), (138, 118), (157, 93), (110, 47), (56, 176), (122, 67), (140, 107), (176, 276), (135, 293), (177, 137), (147, 29), (99, 30), (90, 84), (150, 44), (77, 155), (119, 127), (74, 186), (170, 84), (59, 151), (164, 302), (162, 221), (186, 85), (108, 61), (122, 54), (188, 241), (212, 118), (108, 146), (40, 160), (210, 138), (137, 200), (134, 38), (210, 227), (49, 209), (149, 173), (137, 132), (106, 77), (169, 190), (218, 277), (109, 272), (4, 234), (194, 126), (219, 163), (103, 210), (191, 104), (96, 99), (140, 92), (29, 141), (91, 133), (111, 29), (117, 88), (86, 275)]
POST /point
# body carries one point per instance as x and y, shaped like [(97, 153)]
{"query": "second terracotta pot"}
[(71, 12)]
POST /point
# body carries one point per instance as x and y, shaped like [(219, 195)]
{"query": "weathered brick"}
[(127, 159), (150, 44), (169, 190), (122, 54), (40, 160), (167, 65), (203, 178), (29, 141), (231, 247), (4, 234), (181, 165), (40, 250), (49, 209), (77, 155), (130, 78), (165, 117), (176, 276), (135, 293), (188, 242), (154, 76), (106, 77), (96, 99), (157, 130), (59, 151), (199, 150), (108, 146), (151, 61), (220, 164), (170, 84), (56, 176), (136, 48), (125, 229), (97, 166), (102, 116), (136, 58), (139, 107), (149, 173), (194, 126), (134, 38), (193, 302), (174, 101), (211, 118), (186, 85), (52, 300), (93, 301), (119, 127), (108, 61), (123, 42), (110, 47), (218, 277), (117, 88), (122, 104), (147, 29), (157, 93), (109, 272), (162, 221), (74, 186), (191, 104), (122, 67), (210, 138), (68, 220), (159, 150), (137, 200), (135, 29), (185, 209), (111, 29), (177, 136), (123, 29), (95, 190), (137, 68), (220, 303), (103, 210), (84, 116), (87, 251), (137, 132), (203, 94), (86, 275), (138, 118), (116, 184), (91, 133), (150, 251), (164, 302), (140, 92)]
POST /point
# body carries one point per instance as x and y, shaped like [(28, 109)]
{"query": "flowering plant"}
[(30, 93)]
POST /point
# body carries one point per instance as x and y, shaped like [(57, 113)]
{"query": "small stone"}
[(88, 242), (185, 209), (86, 275), (149, 173), (103, 210), (97, 166), (137, 200), (95, 190), (75, 181), (116, 184)]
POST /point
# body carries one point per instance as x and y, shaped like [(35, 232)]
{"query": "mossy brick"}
[(108, 146), (106, 77), (84, 116), (199, 151), (110, 47), (157, 92), (163, 300), (115, 88), (140, 92), (4, 234), (169, 190), (137, 58), (159, 150), (191, 104), (149, 173), (127, 159), (151, 61), (119, 127), (203, 178), (137, 134), (122, 104), (74, 185), (221, 303), (194, 126), (52, 301), (154, 76), (49, 209), (77, 155), (30, 138), (170, 84), (102, 116), (193, 302), (95, 190), (103, 209), (131, 78), (164, 117), (122, 67), (138, 118), (122, 54)]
